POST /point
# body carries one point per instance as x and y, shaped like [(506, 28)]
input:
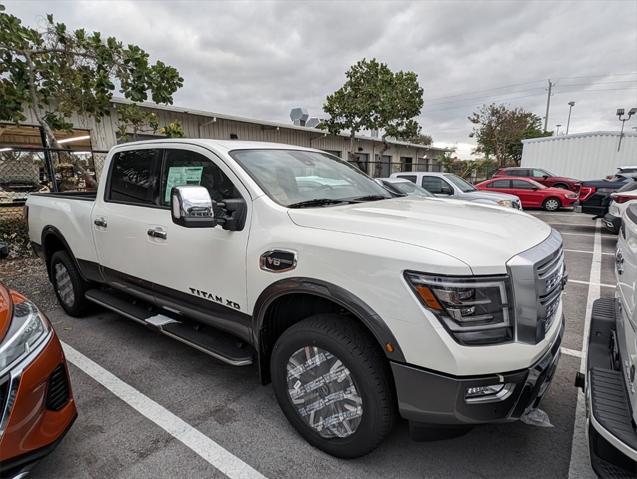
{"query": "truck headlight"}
[(27, 329), (475, 310)]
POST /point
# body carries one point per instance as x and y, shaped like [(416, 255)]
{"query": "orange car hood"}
[(6, 310)]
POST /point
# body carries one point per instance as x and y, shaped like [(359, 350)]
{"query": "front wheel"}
[(551, 204), (332, 383)]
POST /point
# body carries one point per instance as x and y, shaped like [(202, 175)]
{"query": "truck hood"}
[(482, 236)]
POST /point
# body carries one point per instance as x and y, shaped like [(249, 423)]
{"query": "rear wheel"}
[(68, 284), (332, 383), (561, 185), (551, 204)]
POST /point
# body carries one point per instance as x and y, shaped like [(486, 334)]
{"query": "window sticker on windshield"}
[(180, 176)]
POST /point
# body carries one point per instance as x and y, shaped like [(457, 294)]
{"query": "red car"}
[(36, 402), (541, 176), (531, 193)]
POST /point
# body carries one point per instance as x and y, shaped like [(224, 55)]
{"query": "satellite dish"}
[(299, 116), (312, 122)]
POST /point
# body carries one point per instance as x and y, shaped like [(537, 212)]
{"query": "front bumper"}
[(612, 433), (429, 397), (612, 223)]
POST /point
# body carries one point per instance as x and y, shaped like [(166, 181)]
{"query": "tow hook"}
[(580, 381)]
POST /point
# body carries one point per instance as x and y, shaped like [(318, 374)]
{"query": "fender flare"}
[(372, 321), (50, 230)]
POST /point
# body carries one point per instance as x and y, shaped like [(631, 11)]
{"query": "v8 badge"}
[(278, 261)]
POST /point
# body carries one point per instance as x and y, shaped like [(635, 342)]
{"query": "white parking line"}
[(603, 285), (588, 234), (571, 352), (543, 213), (213, 453), (571, 224), (579, 466), (584, 251)]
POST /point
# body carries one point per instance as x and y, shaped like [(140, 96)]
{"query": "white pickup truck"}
[(609, 383), (356, 304)]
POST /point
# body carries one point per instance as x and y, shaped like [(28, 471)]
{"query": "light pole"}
[(623, 119), (571, 104), (557, 129)]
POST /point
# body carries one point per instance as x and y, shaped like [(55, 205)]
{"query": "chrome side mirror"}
[(192, 207)]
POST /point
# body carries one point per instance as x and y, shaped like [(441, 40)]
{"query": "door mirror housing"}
[(192, 207), (446, 190)]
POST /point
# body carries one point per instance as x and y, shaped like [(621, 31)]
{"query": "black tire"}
[(70, 289), (350, 343), (562, 186), (552, 204)]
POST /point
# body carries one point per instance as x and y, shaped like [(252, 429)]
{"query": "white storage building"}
[(583, 156)]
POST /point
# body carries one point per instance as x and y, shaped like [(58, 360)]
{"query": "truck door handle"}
[(100, 222), (157, 233)]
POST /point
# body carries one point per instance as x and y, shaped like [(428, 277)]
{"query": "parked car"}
[(594, 195), (619, 201), (36, 403), (448, 185), (531, 193), (543, 177), (353, 303), (402, 187), (609, 384), (627, 169)]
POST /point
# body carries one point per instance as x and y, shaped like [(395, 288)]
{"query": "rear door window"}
[(521, 185), (134, 176)]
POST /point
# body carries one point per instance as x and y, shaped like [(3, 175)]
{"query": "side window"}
[(539, 173), (134, 176), (183, 167), (411, 178), (499, 184), (434, 185), (519, 172), (521, 185)]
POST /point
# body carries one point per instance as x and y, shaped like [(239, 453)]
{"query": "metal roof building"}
[(582, 156)]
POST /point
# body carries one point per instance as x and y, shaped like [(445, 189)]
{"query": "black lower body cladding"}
[(449, 406)]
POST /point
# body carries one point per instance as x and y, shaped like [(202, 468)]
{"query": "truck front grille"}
[(537, 277)]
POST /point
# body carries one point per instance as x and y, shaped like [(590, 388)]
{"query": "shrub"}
[(14, 231)]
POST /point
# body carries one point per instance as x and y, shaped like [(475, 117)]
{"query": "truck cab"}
[(609, 385), (357, 305)]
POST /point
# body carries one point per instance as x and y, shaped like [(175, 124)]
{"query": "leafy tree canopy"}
[(499, 132), (421, 139), (55, 72), (375, 98)]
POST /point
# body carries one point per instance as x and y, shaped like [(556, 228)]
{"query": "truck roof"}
[(227, 145)]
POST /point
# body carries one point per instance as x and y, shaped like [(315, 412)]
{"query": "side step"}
[(215, 343)]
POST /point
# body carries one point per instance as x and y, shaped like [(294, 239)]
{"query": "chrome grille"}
[(537, 277)]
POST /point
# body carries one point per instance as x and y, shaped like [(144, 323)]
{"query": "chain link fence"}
[(24, 171)]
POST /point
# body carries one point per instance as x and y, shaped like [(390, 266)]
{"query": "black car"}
[(594, 195)]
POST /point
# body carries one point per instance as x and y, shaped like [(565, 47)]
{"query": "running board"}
[(215, 343)]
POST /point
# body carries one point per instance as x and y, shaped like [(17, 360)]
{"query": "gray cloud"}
[(259, 59)]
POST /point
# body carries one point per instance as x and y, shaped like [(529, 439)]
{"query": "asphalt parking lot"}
[(151, 407)]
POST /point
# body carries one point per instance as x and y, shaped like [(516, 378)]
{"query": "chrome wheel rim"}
[(323, 392), (552, 205), (64, 285)]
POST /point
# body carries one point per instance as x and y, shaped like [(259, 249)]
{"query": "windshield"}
[(306, 178), (408, 188), (464, 186)]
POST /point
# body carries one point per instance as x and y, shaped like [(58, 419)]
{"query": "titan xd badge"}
[(277, 261)]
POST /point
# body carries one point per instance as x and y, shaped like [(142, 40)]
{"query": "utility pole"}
[(548, 104), (571, 104)]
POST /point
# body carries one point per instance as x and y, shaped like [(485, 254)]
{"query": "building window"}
[(407, 162)]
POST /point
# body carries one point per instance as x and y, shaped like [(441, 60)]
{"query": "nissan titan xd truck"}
[(357, 304)]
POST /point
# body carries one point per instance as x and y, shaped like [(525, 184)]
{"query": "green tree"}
[(54, 73), (133, 118), (421, 139), (499, 132), (375, 98)]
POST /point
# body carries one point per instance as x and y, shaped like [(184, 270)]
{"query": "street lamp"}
[(623, 119), (571, 104), (557, 129)]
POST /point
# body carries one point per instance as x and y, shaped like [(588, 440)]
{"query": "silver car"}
[(448, 185)]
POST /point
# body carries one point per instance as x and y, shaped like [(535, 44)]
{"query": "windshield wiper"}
[(370, 198), (316, 202)]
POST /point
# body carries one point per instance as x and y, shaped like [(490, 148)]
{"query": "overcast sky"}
[(259, 59)]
